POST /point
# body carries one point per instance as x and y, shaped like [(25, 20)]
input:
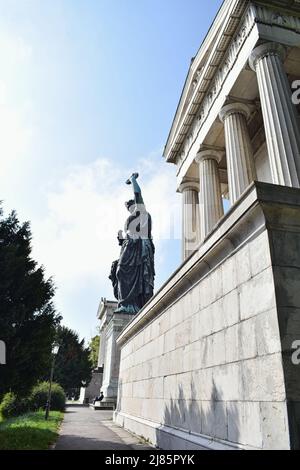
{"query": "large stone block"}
[(214, 419), (216, 283), (227, 382), (157, 347), (192, 356), (162, 366), (218, 348), (217, 316), (257, 295), (260, 256), (243, 268), (286, 248), (263, 378), (138, 389), (184, 387), (205, 292), (172, 362), (205, 322), (156, 365), (232, 351), (247, 339), (154, 329), (138, 341), (169, 342), (164, 322), (147, 334), (196, 332), (202, 384), (194, 416), (244, 426), (287, 286), (208, 352), (229, 275), (178, 313), (170, 387), (153, 409), (177, 413), (231, 308), (274, 423), (267, 333), (187, 305), (195, 299), (183, 333)]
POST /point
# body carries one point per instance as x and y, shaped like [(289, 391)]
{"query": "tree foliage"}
[(72, 365), (27, 317), (94, 348)]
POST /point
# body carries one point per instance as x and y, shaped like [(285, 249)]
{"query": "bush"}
[(12, 405), (39, 396)]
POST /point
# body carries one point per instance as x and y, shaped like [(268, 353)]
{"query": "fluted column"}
[(279, 113), (210, 199), (239, 153), (190, 217)]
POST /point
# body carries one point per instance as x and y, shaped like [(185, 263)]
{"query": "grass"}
[(30, 431)]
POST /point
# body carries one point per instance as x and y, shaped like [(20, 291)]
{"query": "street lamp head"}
[(55, 349)]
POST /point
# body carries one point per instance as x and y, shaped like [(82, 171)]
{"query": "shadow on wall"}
[(213, 419)]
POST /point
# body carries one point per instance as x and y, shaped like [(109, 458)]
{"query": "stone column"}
[(239, 153), (190, 217), (210, 199), (279, 113)]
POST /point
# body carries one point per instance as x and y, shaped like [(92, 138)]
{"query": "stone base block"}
[(165, 437), (103, 405)]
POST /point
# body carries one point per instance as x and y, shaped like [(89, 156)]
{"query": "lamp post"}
[(55, 349)]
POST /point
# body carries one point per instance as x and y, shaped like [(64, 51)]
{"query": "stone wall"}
[(212, 367)]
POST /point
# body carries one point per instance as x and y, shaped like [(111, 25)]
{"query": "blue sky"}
[(88, 91)]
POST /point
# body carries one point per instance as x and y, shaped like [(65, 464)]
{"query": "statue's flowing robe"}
[(135, 270)]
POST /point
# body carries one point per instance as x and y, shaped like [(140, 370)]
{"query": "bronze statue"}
[(132, 275)]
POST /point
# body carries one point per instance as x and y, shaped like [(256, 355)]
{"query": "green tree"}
[(27, 317), (94, 348), (72, 365)]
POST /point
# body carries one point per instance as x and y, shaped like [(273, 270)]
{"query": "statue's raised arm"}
[(138, 198)]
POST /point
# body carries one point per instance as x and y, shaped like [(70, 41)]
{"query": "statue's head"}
[(130, 205)]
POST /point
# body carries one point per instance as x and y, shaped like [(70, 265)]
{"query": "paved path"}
[(86, 429)]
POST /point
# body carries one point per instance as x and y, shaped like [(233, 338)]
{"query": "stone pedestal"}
[(111, 325), (279, 113), (87, 394), (210, 199), (239, 154)]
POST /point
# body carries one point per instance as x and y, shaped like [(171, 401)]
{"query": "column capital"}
[(268, 48), (235, 108), (209, 155), (188, 185)]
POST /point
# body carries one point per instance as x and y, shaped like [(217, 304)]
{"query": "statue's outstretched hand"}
[(133, 176)]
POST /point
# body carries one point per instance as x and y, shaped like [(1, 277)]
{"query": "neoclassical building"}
[(210, 361)]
